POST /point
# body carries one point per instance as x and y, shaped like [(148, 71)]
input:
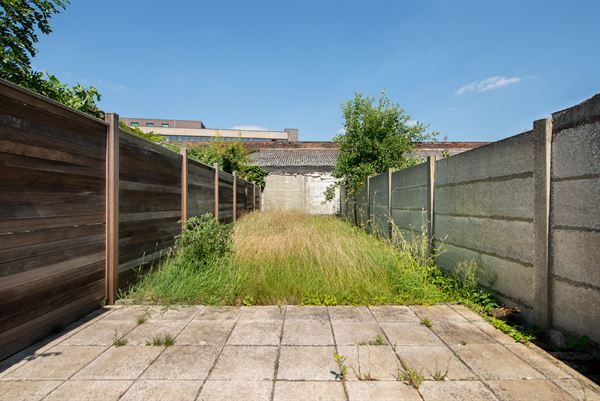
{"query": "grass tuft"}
[(162, 339), (119, 340)]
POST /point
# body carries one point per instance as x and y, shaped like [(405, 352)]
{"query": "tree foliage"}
[(230, 156), (20, 22), (377, 135)]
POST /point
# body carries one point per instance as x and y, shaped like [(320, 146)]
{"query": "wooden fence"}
[(83, 204)]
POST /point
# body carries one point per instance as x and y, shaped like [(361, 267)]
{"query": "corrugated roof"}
[(294, 157)]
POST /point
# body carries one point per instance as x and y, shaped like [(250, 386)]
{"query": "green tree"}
[(230, 156), (20, 21), (377, 136)]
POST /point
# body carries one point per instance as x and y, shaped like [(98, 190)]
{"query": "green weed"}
[(426, 322), (163, 339), (119, 340), (410, 375), (340, 361)]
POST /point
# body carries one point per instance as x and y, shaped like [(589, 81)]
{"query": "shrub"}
[(204, 240)]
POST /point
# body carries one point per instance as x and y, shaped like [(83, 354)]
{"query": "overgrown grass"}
[(287, 257)]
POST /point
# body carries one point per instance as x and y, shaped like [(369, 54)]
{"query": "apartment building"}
[(196, 131)]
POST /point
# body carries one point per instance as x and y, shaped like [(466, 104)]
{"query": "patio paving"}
[(286, 353)]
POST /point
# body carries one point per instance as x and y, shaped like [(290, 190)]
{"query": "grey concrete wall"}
[(303, 192), (409, 200), (526, 209), (484, 212), (575, 220)]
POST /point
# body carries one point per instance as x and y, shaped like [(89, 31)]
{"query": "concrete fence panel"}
[(378, 208), (526, 209), (409, 200), (575, 220)]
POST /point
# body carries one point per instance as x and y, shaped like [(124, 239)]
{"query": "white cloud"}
[(341, 131), (250, 128), (488, 84)]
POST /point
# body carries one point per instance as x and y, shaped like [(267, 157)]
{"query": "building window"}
[(135, 124), (149, 124), (164, 125)]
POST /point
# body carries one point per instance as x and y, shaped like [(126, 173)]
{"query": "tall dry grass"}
[(285, 257)]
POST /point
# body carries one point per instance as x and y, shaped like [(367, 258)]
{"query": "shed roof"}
[(295, 157)]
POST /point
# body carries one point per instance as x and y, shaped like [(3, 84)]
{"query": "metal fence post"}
[(368, 222), (184, 187), (389, 203), (216, 167), (234, 196), (112, 208)]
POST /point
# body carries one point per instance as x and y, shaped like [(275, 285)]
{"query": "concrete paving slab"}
[(438, 313), (355, 333), (163, 390), (262, 313), (245, 363), (495, 362), (494, 333), (580, 391), (432, 358), (370, 362), (409, 334), (173, 314), (307, 390), (461, 333), (350, 314), (90, 390), (219, 313), (120, 363), (144, 333), (125, 313), (59, 363), (31, 390), (394, 313), (256, 333), (455, 391), (236, 390), (302, 363), (183, 363), (307, 332), (381, 391), (550, 368), (307, 363), (528, 390), (318, 313), (213, 332), (101, 333), (468, 314)]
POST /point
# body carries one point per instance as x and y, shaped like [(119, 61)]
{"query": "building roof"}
[(296, 157)]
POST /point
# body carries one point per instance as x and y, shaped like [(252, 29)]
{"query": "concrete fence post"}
[(112, 208), (184, 187), (253, 196), (542, 137), (430, 204), (234, 196), (216, 167)]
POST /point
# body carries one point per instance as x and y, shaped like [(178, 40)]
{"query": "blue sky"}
[(471, 70)]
